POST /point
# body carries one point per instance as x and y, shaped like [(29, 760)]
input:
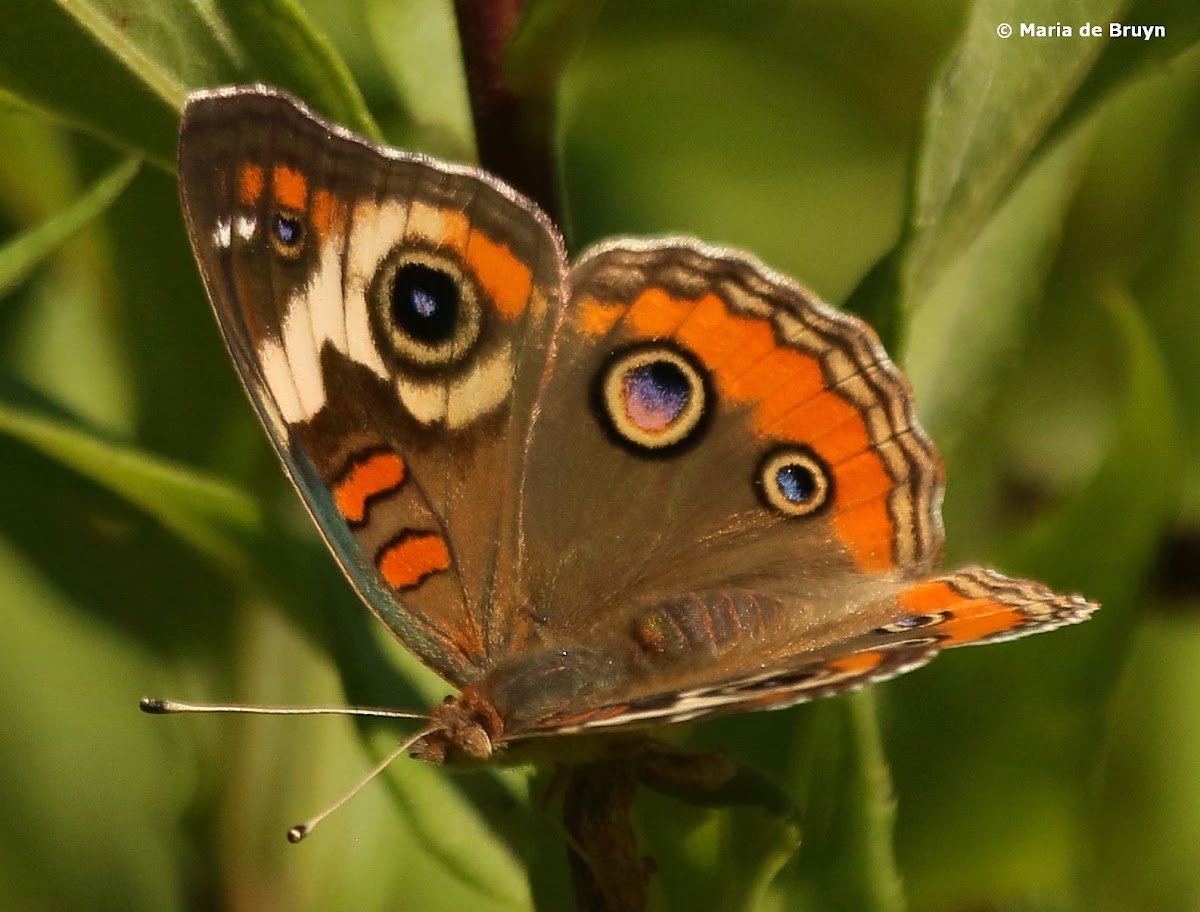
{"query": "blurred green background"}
[(1022, 219)]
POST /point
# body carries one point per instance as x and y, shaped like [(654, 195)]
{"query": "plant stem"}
[(607, 872), (514, 131), (877, 807)]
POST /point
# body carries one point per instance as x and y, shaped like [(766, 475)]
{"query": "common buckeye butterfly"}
[(656, 483)]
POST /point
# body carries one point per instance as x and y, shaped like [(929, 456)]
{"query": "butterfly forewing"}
[(389, 317)]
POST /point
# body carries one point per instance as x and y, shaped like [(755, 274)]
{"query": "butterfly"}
[(655, 483)]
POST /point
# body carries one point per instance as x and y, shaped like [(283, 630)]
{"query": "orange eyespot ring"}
[(794, 481), (653, 398)]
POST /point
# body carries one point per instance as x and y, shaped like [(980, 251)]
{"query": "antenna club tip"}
[(296, 833), (153, 706)]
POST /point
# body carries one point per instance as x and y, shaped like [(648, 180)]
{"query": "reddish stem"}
[(514, 133)]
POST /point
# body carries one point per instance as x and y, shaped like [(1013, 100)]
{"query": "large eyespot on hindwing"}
[(425, 308), (653, 399), (793, 481)]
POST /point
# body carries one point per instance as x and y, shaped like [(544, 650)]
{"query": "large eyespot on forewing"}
[(425, 308)]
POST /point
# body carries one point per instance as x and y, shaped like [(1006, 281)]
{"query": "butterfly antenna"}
[(155, 706), (296, 833)]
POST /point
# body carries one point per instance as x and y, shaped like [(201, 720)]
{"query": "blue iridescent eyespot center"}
[(793, 481), (426, 307), (653, 398), (286, 230), (911, 621), (796, 483), (655, 394), (424, 303), (286, 235)]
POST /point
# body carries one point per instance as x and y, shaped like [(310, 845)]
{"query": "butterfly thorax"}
[(516, 699)]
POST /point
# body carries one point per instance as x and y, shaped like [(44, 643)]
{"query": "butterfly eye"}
[(653, 399), (287, 235), (793, 481), (427, 307)]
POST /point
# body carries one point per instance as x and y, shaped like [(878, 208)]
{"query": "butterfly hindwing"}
[(674, 551), (698, 392), (971, 606)]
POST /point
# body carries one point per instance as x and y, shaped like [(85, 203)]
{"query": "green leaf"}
[(988, 113), (122, 68), (469, 849), (147, 38), (547, 37), (1126, 59), (280, 45), (874, 808), (965, 339), (846, 860), (1146, 812), (717, 859), (68, 683), (209, 514), (418, 46), (50, 61), (998, 106), (1017, 727), (754, 847), (20, 255), (1145, 456)]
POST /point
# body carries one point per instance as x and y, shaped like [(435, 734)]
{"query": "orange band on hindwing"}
[(595, 318), (866, 529), (967, 619), (367, 478), (411, 557), (727, 344), (655, 314), (790, 397), (783, 368), (857, 662)]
